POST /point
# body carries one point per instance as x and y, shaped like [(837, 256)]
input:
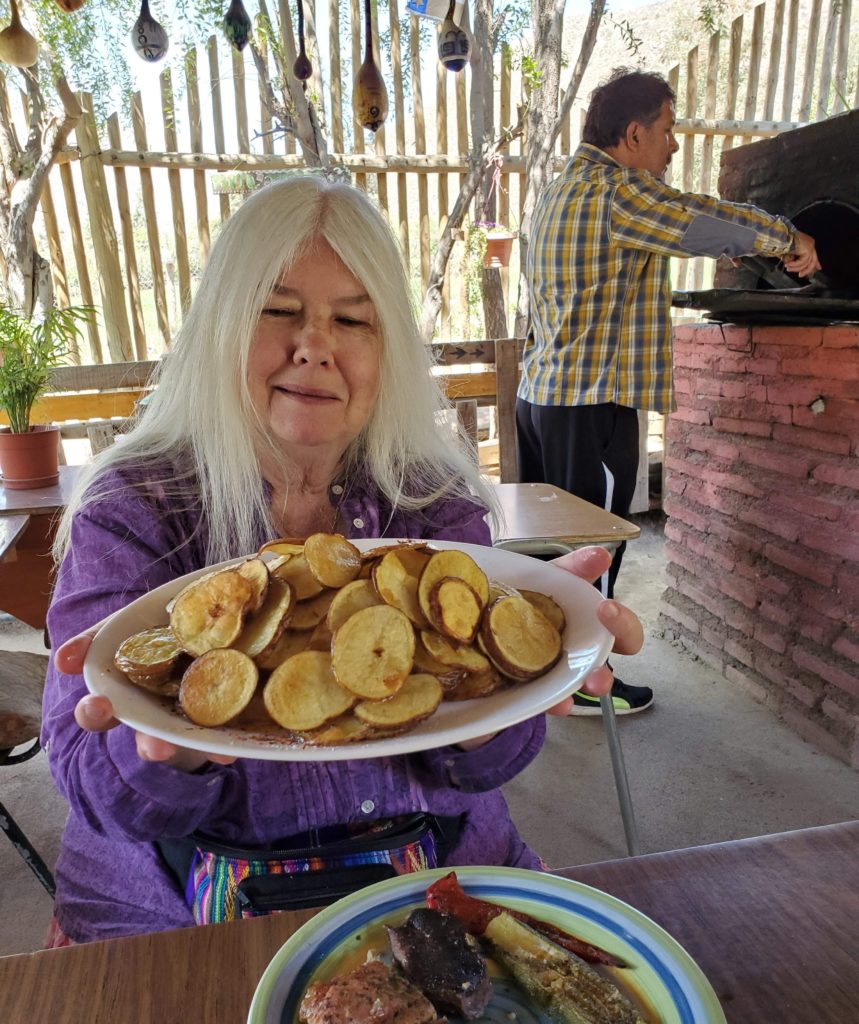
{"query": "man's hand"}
[(803, 260)]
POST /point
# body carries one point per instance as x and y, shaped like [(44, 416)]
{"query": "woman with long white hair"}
[(297, 399)]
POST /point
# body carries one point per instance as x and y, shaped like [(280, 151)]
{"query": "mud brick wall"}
[(762, 498)]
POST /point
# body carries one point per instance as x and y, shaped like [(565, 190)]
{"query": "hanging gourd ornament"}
[(302, 68), (69, 6), (148, 38), (369, 95), (453, 44), (237, 25), (17, 46)]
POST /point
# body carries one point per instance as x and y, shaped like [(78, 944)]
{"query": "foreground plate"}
[(662, 978), (586, 642)]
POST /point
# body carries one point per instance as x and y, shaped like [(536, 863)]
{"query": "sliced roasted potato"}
[(332, 559), (255, 572), (448, 676), (498, 589), (456, 564), (519, 638), (153, 652), (308, 614), (345, 729), (297, 574), (217, 687), (350, 599), (416, 700), (398, 587), (211, 613), (287, 546), (263, 630), (476, 684), (372, 652), (302, 693), (288, 644), (455, 609), (161, 685), (548, 606), (452, 654)]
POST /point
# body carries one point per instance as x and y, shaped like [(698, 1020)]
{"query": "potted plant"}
[(30, 346), (499, 243)]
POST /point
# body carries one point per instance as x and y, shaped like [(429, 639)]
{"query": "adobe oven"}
[(762, 455)]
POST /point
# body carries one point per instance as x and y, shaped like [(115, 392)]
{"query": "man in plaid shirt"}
[(600, 297)]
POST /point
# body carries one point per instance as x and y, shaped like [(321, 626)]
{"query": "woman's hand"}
[(589, 564), (95, 714)]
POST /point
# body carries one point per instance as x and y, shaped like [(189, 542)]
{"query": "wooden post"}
[(506, 383), (701, 265), (336, 78), (442, 192), (399, 128), (689, 144), (168, 112), (775, 60), (840, 100), (241, 103), (148, 195), (754, 63), (420, 147), (734, 54), (265, 122), (80, 259), (217, 115), (195, 124), (131, 275), (58, 263), (103, 236), (790, 61), (379, 145), (357, 130), (810, 60)]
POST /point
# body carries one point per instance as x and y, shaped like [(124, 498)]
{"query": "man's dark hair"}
[(627, 96)]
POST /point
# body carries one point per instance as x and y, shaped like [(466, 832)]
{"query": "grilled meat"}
[(436, 953), (371, 994)]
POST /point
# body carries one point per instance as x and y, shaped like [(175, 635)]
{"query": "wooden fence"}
[(136, 211)]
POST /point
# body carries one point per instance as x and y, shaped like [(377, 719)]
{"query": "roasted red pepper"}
[(448, 896)]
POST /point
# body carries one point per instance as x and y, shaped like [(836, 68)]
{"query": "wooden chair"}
[(22, 679)]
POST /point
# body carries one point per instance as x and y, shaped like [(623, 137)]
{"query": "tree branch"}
[(480, 161)]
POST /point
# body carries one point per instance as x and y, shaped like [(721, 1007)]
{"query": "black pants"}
[(589, 450)]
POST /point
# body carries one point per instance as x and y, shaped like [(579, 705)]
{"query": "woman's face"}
[(313, 367)]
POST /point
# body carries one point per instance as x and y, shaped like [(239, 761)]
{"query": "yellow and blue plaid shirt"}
[(597, 272)]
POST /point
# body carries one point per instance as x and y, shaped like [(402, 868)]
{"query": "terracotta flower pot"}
[(31, 459), (498, 249)]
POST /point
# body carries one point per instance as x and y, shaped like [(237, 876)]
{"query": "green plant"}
[(29, 348)]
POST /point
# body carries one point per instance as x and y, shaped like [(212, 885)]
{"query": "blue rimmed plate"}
[(662, 979)]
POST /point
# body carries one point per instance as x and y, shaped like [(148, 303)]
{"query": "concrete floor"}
[(706, 763)]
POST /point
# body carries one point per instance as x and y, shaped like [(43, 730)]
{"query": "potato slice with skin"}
[(350, 599), (476, 684), (424, 662), (320, 638), (519, 638), (263, 630), (165, 685), (217, 687), (150, 653), (303, 694), (455, 609), (372, 652), (455, 655), (332, 559), (456, 564), (345, 729), (548, 606), (398, 587), (255, 572), (211, 614), (416, 700), (288, 644), (498, 589), (308, 614), (297, 574), (283, 546)]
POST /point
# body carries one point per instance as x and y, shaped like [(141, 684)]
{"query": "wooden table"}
[(26, 571), (540, 515), (773, 922)]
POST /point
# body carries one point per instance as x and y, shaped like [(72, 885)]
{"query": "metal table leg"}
[(23, 845), (620, 780)]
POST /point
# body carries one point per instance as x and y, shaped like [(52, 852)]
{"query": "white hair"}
[(200, 415)]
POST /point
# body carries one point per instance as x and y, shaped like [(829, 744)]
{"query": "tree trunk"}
[(545, 117)]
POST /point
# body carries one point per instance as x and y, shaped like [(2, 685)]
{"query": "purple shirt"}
[(111, 880)]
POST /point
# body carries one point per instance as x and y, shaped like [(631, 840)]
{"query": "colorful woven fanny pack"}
[(223, 882)]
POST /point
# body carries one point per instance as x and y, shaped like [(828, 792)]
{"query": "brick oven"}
[(762, 470)]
